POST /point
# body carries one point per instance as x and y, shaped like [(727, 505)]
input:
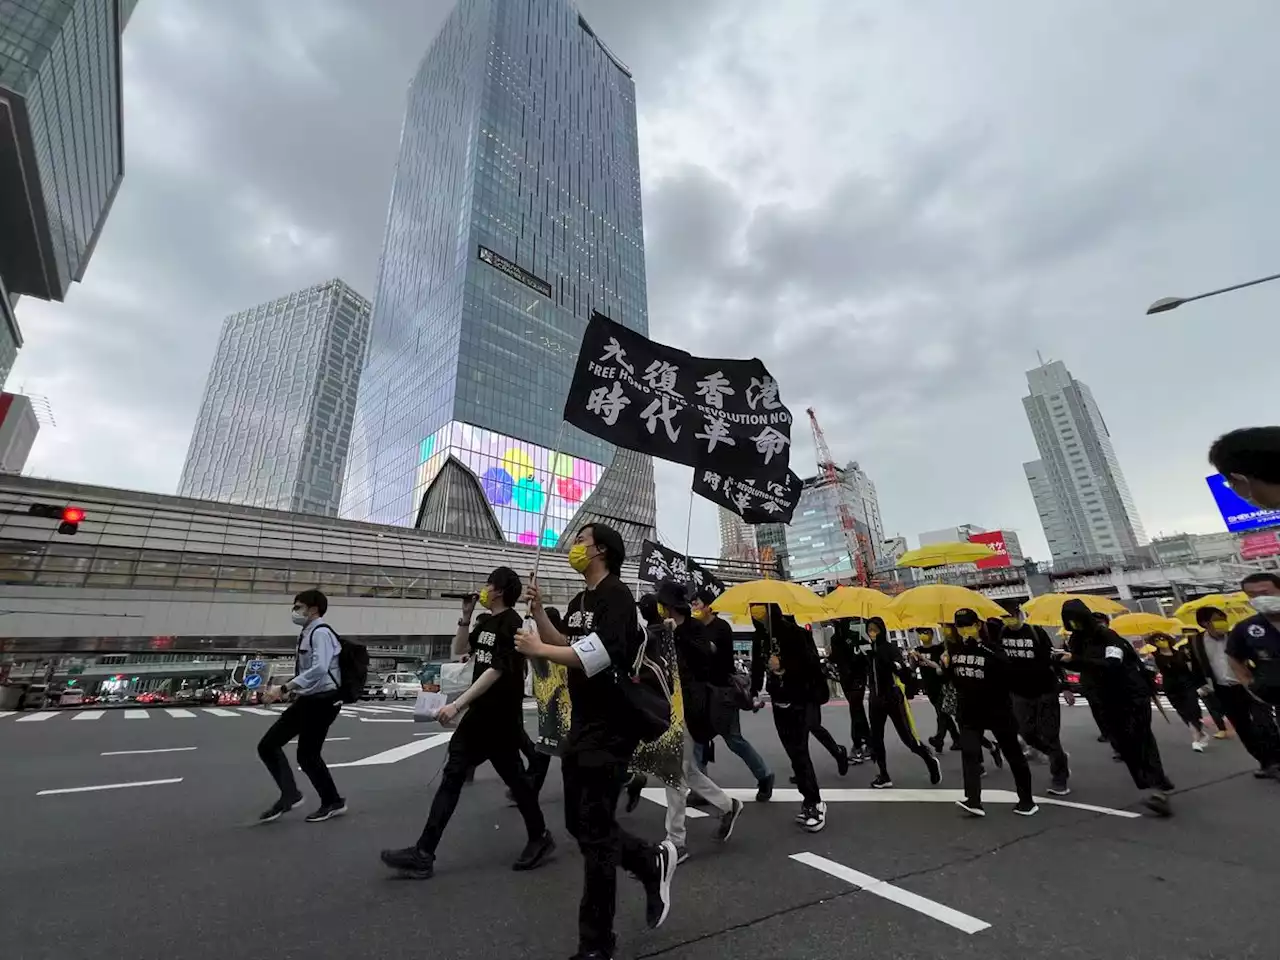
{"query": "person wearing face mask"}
[(980, 671), (309, 717), (599, 644), (1190, 637), (1179, 680), (1124, 689), (490, 723), (1254, 644), (1253, 720), (1249, 460), (928, 656), (850, 654), (1034, 681), (887, 676)]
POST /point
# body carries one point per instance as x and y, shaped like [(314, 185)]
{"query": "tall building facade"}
[(275, 421), (1080, 492), (737, 541), (816, 544), (514, 214)]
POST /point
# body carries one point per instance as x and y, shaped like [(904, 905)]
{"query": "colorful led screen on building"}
[(517, 478), (995, 540), (1237, 513)]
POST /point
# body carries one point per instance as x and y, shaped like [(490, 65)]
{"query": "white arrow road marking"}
[(109, 786), (125, 753), (887, 891), (396, 754)]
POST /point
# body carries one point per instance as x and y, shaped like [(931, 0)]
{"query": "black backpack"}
[(353, 668), (646, 695)]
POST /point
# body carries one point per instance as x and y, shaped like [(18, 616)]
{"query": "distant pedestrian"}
[(314, 688), (1249, 460)]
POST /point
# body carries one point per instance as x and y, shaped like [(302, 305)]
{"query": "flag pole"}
[(546, 503)]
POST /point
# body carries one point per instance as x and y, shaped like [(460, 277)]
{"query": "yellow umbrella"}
[(800, 602), (935, 603), (1141, 624), (862, 602), (1046, 610), (942, 554), (1234, 605)]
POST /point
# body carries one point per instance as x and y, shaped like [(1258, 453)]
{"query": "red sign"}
[(1255, 545), (995, 540)]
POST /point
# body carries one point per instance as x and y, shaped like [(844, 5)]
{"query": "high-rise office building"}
[(771, 547), (737, 541), (816, 545), (275, 421), (1080, 492), (514, 214)]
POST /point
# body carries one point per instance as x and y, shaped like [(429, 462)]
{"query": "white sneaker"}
[(1198, 746)]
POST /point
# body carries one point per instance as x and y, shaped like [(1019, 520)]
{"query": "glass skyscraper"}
[(514, 214), (275, 421)]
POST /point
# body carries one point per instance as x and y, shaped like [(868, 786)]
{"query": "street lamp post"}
[(1171, 303)]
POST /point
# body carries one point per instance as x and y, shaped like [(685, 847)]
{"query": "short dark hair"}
[(610, 541), (313, 598), (705, 597), (1261, 576), (648, 607), (507, 582), (557, 621), (1249, 452), (674, 595), (1205, 614)]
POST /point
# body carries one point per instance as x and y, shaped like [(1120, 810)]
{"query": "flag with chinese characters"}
[(657, 563), (755, 501), (720, 414)]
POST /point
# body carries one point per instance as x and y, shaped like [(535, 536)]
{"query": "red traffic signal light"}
[(72, 514)]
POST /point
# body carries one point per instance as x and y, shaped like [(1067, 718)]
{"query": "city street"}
[(169, 862)]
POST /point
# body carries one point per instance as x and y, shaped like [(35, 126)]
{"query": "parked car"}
[(71, 697), (393, 686)]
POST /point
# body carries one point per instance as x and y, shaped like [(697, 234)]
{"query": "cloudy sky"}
[(894, 205)]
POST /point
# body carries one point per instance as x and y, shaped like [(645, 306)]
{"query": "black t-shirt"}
[(1257, 642), (980, 674), (1031, 670), (1175, 666), (720, 634), (608, 611), (499, 712), (931, 679)]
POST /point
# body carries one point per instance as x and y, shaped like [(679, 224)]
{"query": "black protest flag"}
[(755, 501), (723, 415), (657, 563)]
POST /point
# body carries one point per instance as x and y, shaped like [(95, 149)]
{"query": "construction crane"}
[(855, 541)]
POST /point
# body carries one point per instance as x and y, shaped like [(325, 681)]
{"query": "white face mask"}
[(1267, 604), (300, 617)]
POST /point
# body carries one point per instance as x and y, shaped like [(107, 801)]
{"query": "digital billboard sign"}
[(995, 540), (1238, 514), (517, 477)]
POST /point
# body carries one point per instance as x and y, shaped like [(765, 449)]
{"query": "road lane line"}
[(89, 715), (371, 709), (35, 716), (928, 795), (659, 796), (136, 715), (126, 753), (7, 713), (259, 711), (178, 712), (219, 712), (887, 891), (109, 786), (385, 719), (335, 739), (396, 754)]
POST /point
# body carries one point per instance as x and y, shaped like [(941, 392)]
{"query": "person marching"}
[(928, 655), (600, 641), (490, 720), (797, 688), (980, 671), (889, 703), (850, 654), (1034, 681), (1180, 679), (1124, 690)]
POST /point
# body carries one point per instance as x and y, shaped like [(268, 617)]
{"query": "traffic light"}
[(69, 517)]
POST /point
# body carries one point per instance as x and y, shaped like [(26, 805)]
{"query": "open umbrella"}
[(861, 602), (934, 603), (793, 599), (1141, 624), (1046, 609), (944, 554), (1234, 605)]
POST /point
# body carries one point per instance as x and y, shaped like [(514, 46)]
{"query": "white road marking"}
[(7, 713), (371, 709), (89, 715), (259, 711), (385, 720), (109, 786), (887, 891), (335, 739), (35, 716), (136, 715), (126, 753), (178, 712), (396, 754), (219, 712), (659, 796)]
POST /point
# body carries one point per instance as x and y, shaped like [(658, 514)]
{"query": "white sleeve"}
[(591, 651)]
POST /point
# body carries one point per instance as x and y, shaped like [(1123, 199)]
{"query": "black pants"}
[(1214, 706), (308, 719), (1093, 698), (1004, 730), (855, 689), (536, 763), (1129, 724), (1186, 704), (822, 734), (892, 706), (946, 722), (1040, 723), (466, 752), (1254, 722), (793, 723), (590, 797)]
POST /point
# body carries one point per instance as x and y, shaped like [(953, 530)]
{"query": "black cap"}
[(673, 595), (966, 618)]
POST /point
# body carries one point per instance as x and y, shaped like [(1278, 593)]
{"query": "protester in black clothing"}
[(1034, 682), (850, 654), (1180, 679), (797, 689), (1124, 689), (490, 720), (928, 656), (980, 671), (886, 673), (598, 646)]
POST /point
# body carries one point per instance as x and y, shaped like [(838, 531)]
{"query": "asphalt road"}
[(181, 870)]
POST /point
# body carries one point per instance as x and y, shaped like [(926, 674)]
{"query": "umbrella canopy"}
[(1234, 605), (935, 603), (861, 602), (793, 599), (1141, 624), (944, 554), (1046, 610)]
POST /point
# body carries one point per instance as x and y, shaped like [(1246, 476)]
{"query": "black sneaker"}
[(682, 854), (938, 744), (859, 756), (815, 817), (1158, 803), (935, 769), (882, 782), (997, 757), (535, 852), (657, 888), (955, 747), (729, 820), (842, 762), (411, 862), (764, 789), (972, 807), (1027, 809), (279, 809), (327, 811), (1059, 790), (634, 786)]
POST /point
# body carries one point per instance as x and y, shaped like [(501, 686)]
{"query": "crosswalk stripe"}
[(89, 715), (259, 711), (136, 715), (178, 712), (373, 709), (219, 712), (35, 716), (7, 713)]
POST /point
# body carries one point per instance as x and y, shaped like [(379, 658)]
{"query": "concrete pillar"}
[(1121, 581)]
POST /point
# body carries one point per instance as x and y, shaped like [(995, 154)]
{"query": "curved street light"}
[(1171, 303)]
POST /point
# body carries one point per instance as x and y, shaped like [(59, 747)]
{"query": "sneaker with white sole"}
[(279, 809), (972, 807), (1197, 746), (1027, 809), (657, 888), (729, 820), (815, 817), (327, 811), (1059, 790)]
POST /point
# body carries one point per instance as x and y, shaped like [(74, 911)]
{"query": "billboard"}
[(1239, 514), (517, 477), (1254, 546), (995, 540)]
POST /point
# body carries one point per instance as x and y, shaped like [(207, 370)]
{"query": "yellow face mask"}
[(702, 614), (484, 597), (925, 639), (578, 558), (1162, 644), (663, 612), (969, 633), (758, 613), (1013, 623), (1219, 624), (873, 633)]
